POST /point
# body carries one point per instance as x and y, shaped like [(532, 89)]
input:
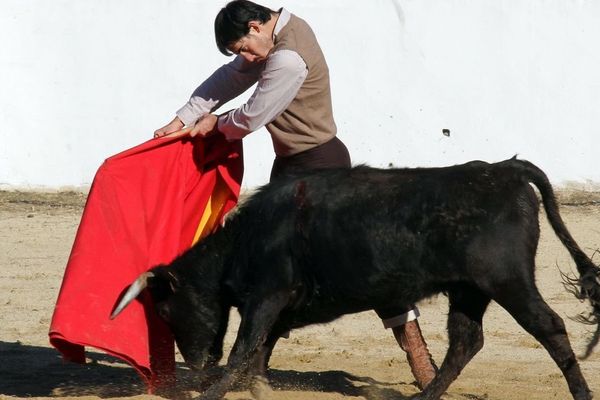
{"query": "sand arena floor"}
[(351, 358)]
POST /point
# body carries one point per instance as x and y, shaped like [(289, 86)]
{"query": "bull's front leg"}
[(215, 352), (260, 362), (258, 318)]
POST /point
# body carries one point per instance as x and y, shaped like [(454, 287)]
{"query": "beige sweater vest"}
[(308, 120)]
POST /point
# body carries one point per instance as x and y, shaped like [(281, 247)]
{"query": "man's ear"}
[(255, 26)]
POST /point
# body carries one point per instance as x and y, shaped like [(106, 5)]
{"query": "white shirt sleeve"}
[(226, 83), (278, 85)]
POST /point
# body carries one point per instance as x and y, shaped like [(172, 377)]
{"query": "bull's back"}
[(372, 236)]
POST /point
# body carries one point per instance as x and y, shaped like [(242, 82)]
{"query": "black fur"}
[(311, 248)]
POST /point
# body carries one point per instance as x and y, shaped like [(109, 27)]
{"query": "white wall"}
[(81, 80)]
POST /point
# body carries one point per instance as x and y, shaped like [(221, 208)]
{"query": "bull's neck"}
[(204, 263)]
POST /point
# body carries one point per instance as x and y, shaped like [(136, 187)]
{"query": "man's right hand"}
[(171, 127)]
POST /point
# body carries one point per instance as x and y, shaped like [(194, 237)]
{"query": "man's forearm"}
[(226, 83)]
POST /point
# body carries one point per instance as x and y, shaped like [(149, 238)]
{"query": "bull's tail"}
[(587, 286)]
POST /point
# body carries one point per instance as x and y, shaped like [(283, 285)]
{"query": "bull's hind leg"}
[(465, 336), (530, 310)]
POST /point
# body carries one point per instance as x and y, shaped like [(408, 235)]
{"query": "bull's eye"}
[(163, 311)]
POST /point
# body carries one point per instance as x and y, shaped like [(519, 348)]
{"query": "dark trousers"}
[(331, 154)]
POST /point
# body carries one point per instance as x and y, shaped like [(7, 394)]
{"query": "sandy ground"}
[(353, 357)]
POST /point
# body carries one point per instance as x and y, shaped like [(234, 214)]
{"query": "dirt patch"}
[(353, 357), (42, 202)]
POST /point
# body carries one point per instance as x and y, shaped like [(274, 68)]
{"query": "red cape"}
[(146, 205)]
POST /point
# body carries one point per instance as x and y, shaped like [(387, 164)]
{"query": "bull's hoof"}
[(584, 394), (173, 393), (260, 389), (206, 378), (209, 396)]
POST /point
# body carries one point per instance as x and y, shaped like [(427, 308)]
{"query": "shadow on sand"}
[(33, 371)]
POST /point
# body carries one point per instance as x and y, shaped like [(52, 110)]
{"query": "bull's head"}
[(194, 315)]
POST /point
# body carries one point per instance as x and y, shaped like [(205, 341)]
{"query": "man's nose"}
[(248, 56)]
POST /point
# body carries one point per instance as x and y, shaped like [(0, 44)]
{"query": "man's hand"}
[(205, 126), (171, 127)]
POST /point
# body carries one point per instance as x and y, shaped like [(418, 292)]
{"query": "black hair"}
[(231, 23)]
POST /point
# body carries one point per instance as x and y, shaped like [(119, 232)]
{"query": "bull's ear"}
[(173, 281)]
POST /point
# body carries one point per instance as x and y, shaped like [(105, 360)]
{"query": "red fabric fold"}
[(144, 208)]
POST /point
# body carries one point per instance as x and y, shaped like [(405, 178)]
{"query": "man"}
[(293, 100)]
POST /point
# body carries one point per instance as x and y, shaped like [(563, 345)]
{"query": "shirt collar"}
[(284, 18)]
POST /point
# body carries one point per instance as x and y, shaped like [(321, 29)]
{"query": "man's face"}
[(255, 46)]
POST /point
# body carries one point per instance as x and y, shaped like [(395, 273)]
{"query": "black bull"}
[(311, 248)]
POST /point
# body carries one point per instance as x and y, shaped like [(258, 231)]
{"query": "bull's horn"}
[(134, 290)]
